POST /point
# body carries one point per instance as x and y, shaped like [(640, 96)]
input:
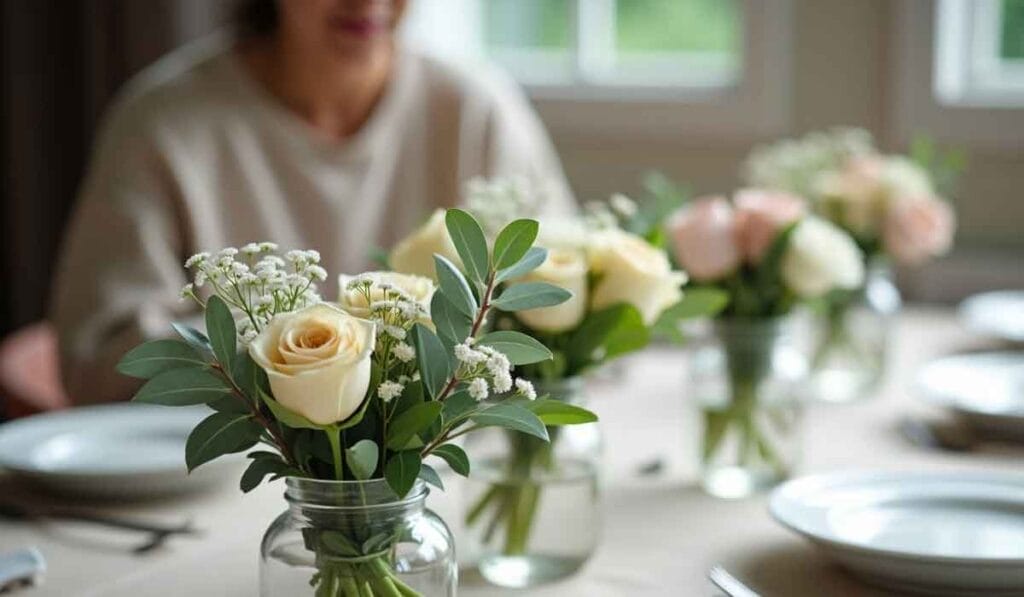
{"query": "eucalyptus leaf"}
[(454, 286), (230, 404), (244, 373), (362, 458), (220, 434), (432, 358), (531, 295), (555, 412), (533, 259), (401, 471), (451, 324), (153, 358), (455, 457), (513, 242), (428, 474), (193, 337), (511, 416), (457, 405), (411, 422), (287, 416), (183, 387), (220, 325), (259, 468), (470, 243), (607, 333), (518, 347)]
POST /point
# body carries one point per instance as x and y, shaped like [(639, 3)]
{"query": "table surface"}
[(660, 533)]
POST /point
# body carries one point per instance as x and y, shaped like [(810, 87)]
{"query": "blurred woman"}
[(310, 126)]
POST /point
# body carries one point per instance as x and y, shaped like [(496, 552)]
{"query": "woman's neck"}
[(336, 96)]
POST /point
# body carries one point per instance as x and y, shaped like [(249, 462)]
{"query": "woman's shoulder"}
[(186, 87), (476, 82)]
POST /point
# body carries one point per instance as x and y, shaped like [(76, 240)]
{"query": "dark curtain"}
[(61, 61)]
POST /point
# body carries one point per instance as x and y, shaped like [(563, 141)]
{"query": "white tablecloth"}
[(660, 533)]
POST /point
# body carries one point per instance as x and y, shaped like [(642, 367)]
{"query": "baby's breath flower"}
[(622, 205), (227, 252), (200, 278), (403, 352), (502, 382), (197, 259), (478, 389), (469, 356), (395, 332), (389, 390), (317, 273), (250, 249), (526, 388), (267, 246), (187, 291)]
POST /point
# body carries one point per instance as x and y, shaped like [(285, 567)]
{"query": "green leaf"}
[(428, 474), (287, 416), (518, 347), (533, 259), (555, 412), (230, 404), (183, 387), (455, 457), (220, 325), (362, 458), (607, 333), (260, 467), (513, 242), (432, 359), (193, 337), (154, 357), (451, 323), (699, 302), (470, 243), (511, 416), (336, 543), (454, 286), (456, 405), (401, 471), (217, 435), (244, 374), (531, 295), (411, 422)]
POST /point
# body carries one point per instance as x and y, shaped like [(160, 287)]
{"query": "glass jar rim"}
[(307, 492)]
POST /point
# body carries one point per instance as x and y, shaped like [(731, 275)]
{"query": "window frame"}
[(968, 70)]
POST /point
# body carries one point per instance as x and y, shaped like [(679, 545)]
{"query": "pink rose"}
[(918, 227), (760, 216), (703, 234)]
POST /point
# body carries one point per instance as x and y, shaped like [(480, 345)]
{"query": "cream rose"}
[(632, 271), (566, 268), (317, 361), (415, 253), (855, 194), (819, 258), (353, 300)]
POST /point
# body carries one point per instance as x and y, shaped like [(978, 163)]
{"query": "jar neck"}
[(749, 344), (569, 389), (372, 502)]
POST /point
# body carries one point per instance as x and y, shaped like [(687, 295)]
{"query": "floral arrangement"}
[(890, 204), (622, 288), (365, 388), (763, 254)]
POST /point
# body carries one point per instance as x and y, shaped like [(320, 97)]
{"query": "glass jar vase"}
[(851, 339), (533, 514), (746, 383), (356, 539)]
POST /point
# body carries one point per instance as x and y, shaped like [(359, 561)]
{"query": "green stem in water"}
[(334, 437)]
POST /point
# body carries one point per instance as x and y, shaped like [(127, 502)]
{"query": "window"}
[(979, 54)]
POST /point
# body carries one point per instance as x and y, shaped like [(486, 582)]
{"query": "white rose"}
[(902, 176), (415, 253), (819, 258), (562, 233), (317, 361), (633, 271), (566, 268), (353, 300)]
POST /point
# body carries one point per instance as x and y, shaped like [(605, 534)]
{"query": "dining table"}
[(660, 533)]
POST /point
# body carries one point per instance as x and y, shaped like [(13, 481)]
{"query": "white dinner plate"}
[(114, 450), (987, 389), (999, 314), (956, 533)]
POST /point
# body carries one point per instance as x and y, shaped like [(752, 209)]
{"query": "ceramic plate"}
[(999, 314), (123, 450), (932, 533), (987, 389)]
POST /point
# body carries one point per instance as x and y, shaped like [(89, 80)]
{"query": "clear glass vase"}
[(356, 539), (851, 340), (533, 513), (747, 385)]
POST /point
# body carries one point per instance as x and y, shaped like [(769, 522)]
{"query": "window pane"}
[(694, 42), (1011, 45), (530, 37)]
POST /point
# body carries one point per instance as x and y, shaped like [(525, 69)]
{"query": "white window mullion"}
[(595, 39)]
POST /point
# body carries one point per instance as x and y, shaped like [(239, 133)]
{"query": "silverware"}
[(158, 533), (729, 584), (20, 569)]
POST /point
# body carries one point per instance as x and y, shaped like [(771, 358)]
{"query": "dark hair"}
[(256, 17)]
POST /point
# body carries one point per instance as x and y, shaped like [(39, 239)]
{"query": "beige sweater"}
[(196, 155)]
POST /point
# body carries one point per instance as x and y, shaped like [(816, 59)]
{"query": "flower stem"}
[(334, 437)]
